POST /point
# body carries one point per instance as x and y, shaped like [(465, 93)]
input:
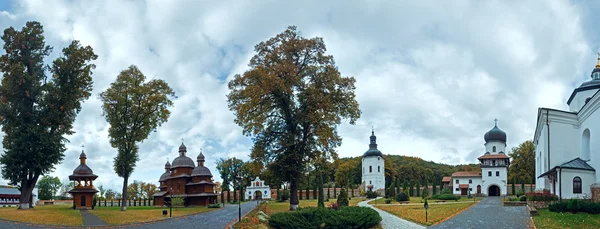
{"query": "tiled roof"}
[(446, 179), (466, 174), (161, 193), (494, 156)]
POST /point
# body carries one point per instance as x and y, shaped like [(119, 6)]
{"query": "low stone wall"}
[(515, 203), (596, 192), (540, 204)]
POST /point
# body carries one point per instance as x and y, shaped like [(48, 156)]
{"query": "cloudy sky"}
[(431, 75)]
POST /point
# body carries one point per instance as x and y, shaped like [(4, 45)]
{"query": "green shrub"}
[(214, 206), (285, 195), (388, 201), (342, 199), (520, 193), (371, 194), (177, 201), (446, 191), (94, 201), (402, 196), (523, 198), (344, 217), (575, 206), (445, 197)]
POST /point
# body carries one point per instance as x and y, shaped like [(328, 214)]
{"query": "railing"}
[(131, 202)]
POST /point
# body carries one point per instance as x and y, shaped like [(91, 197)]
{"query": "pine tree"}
[(434, 188), (418, 190), (315, 190), (334, 192), (342, 199), (513, 187), (392, 190), (523, 186), (300, 193), (425, 192), (405, 187), (307, 193), (412, 189)]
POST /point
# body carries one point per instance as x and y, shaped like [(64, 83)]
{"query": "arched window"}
[(494, 149), (363, 169), (585, 145), (370, 169), (576, 185), (378, 169)]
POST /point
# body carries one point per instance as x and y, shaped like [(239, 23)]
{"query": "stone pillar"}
[(596, 192)]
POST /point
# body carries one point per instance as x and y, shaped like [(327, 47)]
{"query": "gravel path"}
[(217, 219), (489, 213), (391, 221), (90, 219)]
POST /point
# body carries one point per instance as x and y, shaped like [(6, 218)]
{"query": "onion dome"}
[(373, 151), (167, 165), (182, 161), (593, 84), (201, 170), (164, 176), (495, 134)]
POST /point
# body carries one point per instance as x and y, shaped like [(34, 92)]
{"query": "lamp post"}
[(239, 178), (171, 203)]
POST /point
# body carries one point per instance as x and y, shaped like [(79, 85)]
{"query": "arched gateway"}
[(493, 190)]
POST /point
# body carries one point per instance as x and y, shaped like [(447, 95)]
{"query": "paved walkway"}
[(391, 221), (489, 213), (217, 219), (90, 219)]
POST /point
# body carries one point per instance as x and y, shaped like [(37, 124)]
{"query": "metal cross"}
[(495, 121), (82, 146), (598, 55), (182, 141)]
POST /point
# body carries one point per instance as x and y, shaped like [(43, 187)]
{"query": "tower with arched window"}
[(83, 190), (373, 171)]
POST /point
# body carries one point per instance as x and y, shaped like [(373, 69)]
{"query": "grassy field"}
[(416, 200), (44, 214), (114, 215), (436, 212), (547, 219), (274, 207)]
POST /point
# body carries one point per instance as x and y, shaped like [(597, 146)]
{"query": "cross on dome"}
[(495, 122), (598, 63)]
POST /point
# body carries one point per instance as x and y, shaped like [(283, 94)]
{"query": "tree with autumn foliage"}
[(522, 163), (291, 100), (38, 104), (133, 108)]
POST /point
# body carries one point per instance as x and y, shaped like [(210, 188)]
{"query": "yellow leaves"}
[(436, 212)]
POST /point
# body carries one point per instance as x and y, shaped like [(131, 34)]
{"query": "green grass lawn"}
[(415, 200), (547, 219), (114, 215), (44, 214)]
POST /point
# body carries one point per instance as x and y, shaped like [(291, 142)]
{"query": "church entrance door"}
[(463, 191), (478, 189), (83, 201), (494, 190), (258, 195)]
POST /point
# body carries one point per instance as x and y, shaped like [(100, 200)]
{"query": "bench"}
[(440, 201), (48, 202)]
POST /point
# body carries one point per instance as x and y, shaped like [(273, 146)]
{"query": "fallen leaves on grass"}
[(416, 213), (114, 215), (547, 219), (44, 214)]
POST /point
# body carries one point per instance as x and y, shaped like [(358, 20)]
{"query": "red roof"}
[(446, 179), (494, 156), (463, 186), (466, 174)]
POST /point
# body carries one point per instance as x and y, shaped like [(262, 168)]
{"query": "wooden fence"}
[(117, 203)]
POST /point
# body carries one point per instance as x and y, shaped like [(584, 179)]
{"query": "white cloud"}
[(430, 76)]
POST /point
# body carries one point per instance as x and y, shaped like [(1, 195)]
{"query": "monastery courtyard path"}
[(390, 221), (489, 213), (217, 219)]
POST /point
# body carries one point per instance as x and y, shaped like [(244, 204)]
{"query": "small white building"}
[(373, 171), (491, 181), (564, 144), (258, 190)]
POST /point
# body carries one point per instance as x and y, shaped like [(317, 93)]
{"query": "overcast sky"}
[(431, 75)]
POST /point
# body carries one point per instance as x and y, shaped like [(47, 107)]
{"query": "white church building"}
[(491, 180), (258, 190), (564, 162), (373, 171)]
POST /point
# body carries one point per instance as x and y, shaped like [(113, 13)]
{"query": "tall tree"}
[(291, 100), (522, 167), (148, 190), (66, 187), (48, 186), (102, 191), (110, 194), (37, 111), (133, 108), (230, 169)]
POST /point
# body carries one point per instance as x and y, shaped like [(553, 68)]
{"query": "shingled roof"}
[(576, 163)]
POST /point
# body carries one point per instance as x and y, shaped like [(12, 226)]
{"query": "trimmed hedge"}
[(445, 197), (402, 196), (344, 217), (371, 194), (575, 206), (541, 196)]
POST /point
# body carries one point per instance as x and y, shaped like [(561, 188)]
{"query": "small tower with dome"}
[(494, 163), (84, 190), (373, 171)]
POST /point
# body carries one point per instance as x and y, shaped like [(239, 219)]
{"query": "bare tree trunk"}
[(124, 200), (294, 195), (27, 186)]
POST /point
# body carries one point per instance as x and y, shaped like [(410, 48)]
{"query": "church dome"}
[(201, 171), (373, 151), (183, 161), (164, 176), (495, 134)]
